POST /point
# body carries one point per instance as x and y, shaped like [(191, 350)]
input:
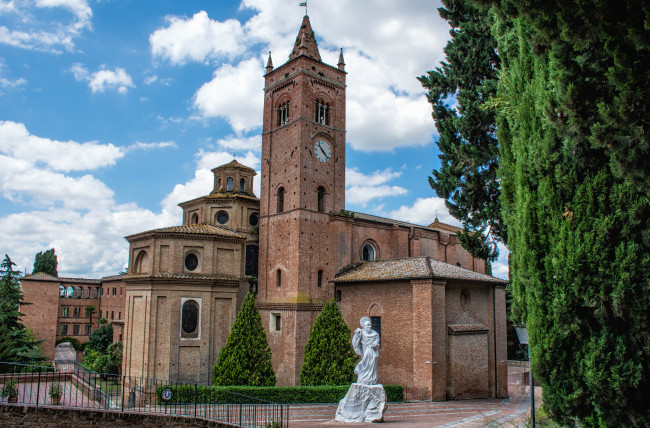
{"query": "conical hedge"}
[(246, 358), (329, 357)]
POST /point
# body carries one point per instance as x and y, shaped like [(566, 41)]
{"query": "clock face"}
[(322, 151)]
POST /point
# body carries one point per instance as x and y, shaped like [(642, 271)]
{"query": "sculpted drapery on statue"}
[(366, 343), (365, 401)]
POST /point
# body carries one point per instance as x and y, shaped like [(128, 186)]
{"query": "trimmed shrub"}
[(189, 394), (246, 358), (329, 357)]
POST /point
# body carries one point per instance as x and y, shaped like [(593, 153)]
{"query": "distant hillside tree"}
[(329, 357), (46, 262), (246, 358), (459, 91)]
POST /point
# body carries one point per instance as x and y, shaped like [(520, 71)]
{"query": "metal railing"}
[(71, 385)]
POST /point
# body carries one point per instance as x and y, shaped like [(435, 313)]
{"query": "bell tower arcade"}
[(302, 183)]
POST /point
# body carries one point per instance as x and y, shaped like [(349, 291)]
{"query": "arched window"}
[(69, 291), (368, 253), (190, 319), (322, 112), (61, 291), (281, 199), (321, 199), (242, 184), (230, 184), (320, 278), (195, 219), (278, 278), (283, 114), (219, 183)]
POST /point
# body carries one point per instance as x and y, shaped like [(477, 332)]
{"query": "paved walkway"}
[(459, 414)]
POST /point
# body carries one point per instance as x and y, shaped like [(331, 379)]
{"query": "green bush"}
[(185, 394)]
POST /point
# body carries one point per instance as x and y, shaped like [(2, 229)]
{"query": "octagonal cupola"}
[(233, 177)]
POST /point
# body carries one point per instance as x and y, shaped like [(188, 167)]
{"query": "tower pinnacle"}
[(305, 42)]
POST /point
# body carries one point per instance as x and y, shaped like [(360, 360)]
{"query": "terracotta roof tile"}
[(40, 276), (435, 225), (199, 276), (196, 229), (410, 268)]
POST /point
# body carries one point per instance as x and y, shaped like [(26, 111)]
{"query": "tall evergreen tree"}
[(577, 221), (458, 91), (101, 338), (329, 357), (246, 358), (46, 262), (19, 342)]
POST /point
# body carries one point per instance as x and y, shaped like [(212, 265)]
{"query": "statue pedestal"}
[(362, 403)]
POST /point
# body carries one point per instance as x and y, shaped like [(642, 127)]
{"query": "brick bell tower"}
[(302, 182)]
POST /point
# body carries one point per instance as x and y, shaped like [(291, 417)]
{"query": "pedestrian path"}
[(457, 414)]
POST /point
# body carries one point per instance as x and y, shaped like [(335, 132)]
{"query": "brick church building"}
[(442, 320)]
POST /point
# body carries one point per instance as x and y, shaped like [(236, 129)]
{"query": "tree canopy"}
[(329, 357), (245, 360), (459, 90), (572, 130), (101, 338), (46, 262)]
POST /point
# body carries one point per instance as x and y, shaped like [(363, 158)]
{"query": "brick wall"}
[(45, 417)]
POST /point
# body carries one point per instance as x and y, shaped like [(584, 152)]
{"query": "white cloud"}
[(148, 146), (231, 142), (5, 82), (103, 79), (386, 106), (234, 95), (19, 144), (360, 188), (196, 39), (29, 30), (424, 211)]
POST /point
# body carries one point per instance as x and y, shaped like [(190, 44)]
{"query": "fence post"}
[(195, 386), (240, 410), (38, 391), (123, 393)]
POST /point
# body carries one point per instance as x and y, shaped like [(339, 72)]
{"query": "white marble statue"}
[(365, 401), (366, 343)]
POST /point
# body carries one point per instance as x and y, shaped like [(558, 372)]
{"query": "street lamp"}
[(522, 334)]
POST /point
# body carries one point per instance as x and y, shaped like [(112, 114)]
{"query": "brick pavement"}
[(458, 414)]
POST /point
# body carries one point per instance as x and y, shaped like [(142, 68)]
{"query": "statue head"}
[(365, 323)]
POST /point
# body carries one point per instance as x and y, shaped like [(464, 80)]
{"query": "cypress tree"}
[(46, 262), (576, 216), (329, 357), (458, 91), (246, 358), (17, 341)]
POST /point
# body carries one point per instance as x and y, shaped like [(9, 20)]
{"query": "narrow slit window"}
[(278, 278), (321, 199), (281, 199), (320, 278)]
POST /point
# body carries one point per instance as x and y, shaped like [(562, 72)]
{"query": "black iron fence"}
[(69, 384)]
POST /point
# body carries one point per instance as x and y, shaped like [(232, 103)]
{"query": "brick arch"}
[(374, 245), (141, 264), (325, 97), (375, 310)]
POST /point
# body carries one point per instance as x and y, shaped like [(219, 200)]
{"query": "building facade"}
[(57, 307), (441, 319)]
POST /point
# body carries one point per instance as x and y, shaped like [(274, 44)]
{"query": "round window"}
[(254, 219), (191, 261), (222, 217), (190, 316)]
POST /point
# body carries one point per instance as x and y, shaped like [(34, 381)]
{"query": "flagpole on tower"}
[(304, 4)]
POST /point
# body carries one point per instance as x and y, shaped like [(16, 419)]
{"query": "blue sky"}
[(114, 111)]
